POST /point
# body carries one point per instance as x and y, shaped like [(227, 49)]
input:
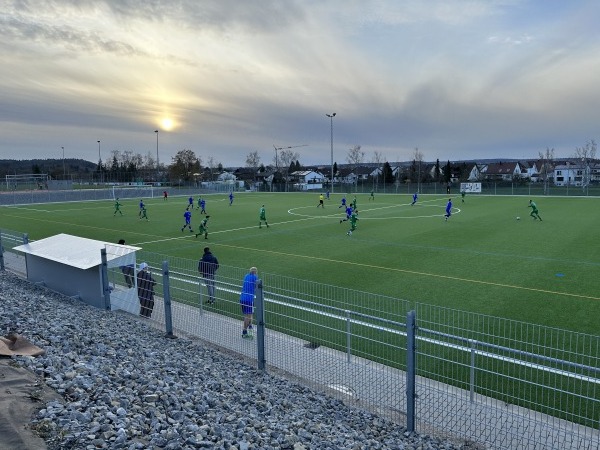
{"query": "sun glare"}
[(167, 124)]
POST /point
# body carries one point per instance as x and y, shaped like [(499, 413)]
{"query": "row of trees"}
[(186, 166)]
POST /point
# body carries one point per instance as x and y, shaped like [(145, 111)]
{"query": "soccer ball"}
[(349, 233), (518, 218)]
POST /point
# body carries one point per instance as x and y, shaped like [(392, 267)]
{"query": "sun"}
[(167, 124)]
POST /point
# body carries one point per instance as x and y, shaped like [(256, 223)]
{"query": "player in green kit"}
[(117, 208), (262, 217), (203, 228), (143, 214), (353, 220), (534, 211)]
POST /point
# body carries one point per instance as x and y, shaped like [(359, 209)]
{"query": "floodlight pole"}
[(331, 116), (156, 131), (64, 169)]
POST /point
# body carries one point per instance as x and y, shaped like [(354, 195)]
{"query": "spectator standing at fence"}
[(247, 300), (117, 208), (128, 270), (145, 287), (262, 217), (203, 228), (207, 266), (188, 221)]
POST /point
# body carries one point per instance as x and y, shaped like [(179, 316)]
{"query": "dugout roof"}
[(76, 251)]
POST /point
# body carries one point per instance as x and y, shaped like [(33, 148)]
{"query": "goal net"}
[(136, 191), (30, 181)]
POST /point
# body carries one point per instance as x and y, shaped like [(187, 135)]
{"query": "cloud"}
[(451, 77)]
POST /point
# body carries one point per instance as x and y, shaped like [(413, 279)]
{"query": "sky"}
[(455, 79)]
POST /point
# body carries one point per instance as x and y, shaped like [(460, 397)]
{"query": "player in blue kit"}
[(343, 205), (448, 209), (190, 204), (188, 221), (348, 214), (230, 198), (202, 205), (415, 197)]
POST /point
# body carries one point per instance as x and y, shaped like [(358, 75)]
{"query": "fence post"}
[(1, 253), (348, 337), (410, 370), (260, 326), (104, 275), (200, 295), (472, 374), (167, 300)]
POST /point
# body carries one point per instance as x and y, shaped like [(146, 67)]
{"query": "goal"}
[(133, 191)]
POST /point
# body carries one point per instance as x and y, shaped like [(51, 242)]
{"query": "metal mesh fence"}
[(10, 259), (348, 343), (510, 384), (75, 195)]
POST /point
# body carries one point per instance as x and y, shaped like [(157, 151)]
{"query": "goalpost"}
[(139, 191), (26, 181)]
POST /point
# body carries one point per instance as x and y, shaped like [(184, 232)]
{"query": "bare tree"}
[(253, 160), (585, 154), (418, 159), (149, 162), (286, 157), (212, 165), (546, 158), (355, 157), (377, 159)]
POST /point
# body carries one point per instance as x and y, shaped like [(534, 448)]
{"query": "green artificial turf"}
[(482, 259)]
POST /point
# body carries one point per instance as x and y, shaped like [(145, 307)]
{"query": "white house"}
[(226, 176), (476, 172), (306, 180), (570, 174)]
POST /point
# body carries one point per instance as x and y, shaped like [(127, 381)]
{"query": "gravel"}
[(126, 386)]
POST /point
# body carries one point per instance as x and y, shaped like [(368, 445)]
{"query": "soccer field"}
[(482, 259)]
